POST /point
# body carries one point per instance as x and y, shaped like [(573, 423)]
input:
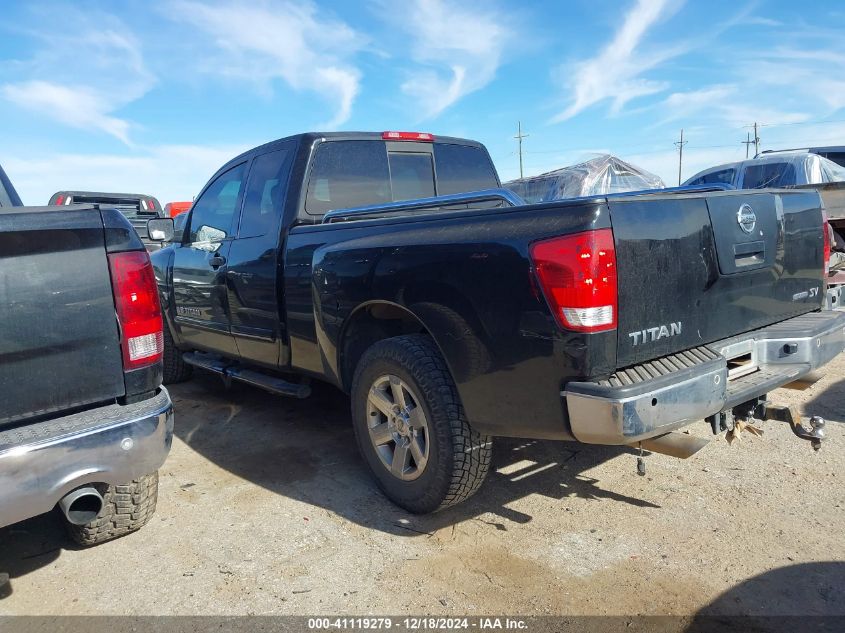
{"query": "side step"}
[(232, 370)]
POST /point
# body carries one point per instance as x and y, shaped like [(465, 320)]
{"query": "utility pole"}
[(756, 140), (519, 136), (680, 145), (748, 143)]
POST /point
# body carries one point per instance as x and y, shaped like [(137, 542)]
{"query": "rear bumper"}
[(668, 393), (41, 462)]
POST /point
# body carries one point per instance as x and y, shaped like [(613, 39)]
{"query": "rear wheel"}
[(126, 508), (411, 428), (175, 368)]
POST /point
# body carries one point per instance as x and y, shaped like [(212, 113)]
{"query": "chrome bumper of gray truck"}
[(668, 393), (43, 461)]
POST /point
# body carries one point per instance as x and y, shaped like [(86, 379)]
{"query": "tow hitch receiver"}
[(733, 421), (790, 415)]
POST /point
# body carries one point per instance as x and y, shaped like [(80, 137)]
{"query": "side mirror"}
[(161, 229)]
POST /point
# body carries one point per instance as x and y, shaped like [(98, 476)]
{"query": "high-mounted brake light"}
[(407, 136), (578, 276), (138, 310), (826, 231)]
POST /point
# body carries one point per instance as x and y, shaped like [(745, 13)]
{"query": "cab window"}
[(348, 174), (463, 168), (411, 175)]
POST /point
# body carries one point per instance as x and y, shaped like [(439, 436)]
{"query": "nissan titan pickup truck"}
[(393, 266), (84, 421)]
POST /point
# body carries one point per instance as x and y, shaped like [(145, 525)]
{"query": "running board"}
[(232, 370)]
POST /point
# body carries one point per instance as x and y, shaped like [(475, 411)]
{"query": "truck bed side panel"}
[(467, 278), (59, 345)]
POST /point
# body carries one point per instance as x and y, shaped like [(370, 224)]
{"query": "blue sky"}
[(153, 96)]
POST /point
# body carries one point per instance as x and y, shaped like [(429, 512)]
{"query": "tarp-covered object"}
[(600, 175)]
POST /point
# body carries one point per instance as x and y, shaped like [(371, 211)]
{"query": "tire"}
[(126, 508), (175, 368), (456, 457)]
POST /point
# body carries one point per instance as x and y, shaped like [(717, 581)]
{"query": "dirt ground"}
[(265, 508)]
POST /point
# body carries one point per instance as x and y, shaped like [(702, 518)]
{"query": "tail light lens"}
[(60, 200), (138, 309), (826, 230), (577, 274)]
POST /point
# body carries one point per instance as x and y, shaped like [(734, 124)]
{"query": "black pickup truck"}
[(84, 421), (393, 266)]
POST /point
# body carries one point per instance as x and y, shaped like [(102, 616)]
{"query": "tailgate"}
[(59, 343), (697, 269)]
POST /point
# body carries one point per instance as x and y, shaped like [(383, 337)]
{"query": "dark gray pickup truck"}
[(84, 421), (452, 315)]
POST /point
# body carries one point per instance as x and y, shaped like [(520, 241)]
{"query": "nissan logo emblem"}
[(746, 218)]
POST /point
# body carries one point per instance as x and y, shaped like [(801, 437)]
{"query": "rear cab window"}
[(355, 173)]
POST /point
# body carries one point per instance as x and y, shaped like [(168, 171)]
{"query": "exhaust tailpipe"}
[(82, 505)]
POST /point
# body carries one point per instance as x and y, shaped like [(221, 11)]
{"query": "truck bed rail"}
[(487, 195)]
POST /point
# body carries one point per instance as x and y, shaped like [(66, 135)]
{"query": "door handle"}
[(217, 261)]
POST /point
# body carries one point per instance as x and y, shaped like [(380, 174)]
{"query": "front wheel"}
[(411, 428)]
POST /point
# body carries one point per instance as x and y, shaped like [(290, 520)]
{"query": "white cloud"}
[(729, 104), (79, 106), (87, 67), (459, 49), (616, 72), (284, 40), (168, 172)]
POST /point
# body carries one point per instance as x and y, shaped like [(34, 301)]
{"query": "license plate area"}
[(741, 359)]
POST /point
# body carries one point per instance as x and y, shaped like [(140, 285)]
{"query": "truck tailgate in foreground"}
[(59, 345)]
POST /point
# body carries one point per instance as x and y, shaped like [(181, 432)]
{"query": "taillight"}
[(826, 230), (151, 205), (578, 276), (138, 309), (407, 136), (60, 199)]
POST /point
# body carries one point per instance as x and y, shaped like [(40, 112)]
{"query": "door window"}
[(213, 214), (265, 194), (348, 174)]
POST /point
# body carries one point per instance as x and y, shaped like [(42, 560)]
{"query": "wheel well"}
[(368, 326)]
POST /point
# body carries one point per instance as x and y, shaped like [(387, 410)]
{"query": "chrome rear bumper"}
[(43, 461), (668, 393)]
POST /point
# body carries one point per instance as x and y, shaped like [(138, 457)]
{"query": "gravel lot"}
[(265, 508)]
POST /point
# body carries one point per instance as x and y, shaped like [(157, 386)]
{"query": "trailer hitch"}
[(790, 415)]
